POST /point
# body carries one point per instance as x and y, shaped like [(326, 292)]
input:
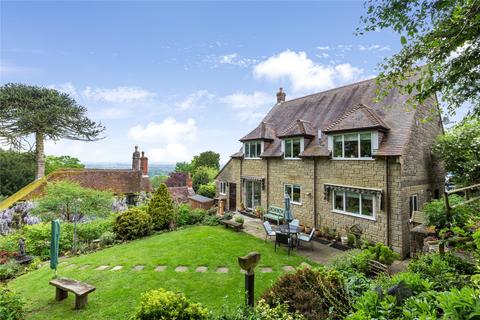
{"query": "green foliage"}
[(162, 304), (63, 199), (18, 170), (315, 293), (239, 220), (211, 220), (161, 208), (132, 224), (157, 180), (186, 216), (203, 176), (9, 270), (11, 305), (444, 271), (442, 36), (262, 311), (209, 159), (436, 214), (92, 230), (207, 190), (460, 304), (459, 148), (382, 254), (107, 238), (183, 167), (53, 163), (353, 261)]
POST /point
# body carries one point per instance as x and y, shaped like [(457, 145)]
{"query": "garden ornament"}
[(248, 263)]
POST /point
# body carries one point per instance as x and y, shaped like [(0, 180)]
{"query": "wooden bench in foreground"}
[(233, 224), (80, 289)]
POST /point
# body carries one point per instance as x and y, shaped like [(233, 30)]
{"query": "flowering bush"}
[(16, 216)]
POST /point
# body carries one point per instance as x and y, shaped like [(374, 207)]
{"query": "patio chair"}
[(307, 238), (295, 222), (282, 238), (268, 230)]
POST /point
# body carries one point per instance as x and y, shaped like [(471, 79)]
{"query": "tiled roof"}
[(352, 107), (264, 131), (298, 128), (181, 194)]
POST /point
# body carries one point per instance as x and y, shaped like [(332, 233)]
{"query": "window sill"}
[(292, 158), (222, 194), (253, 158), (361, 159), (355, 215), (296, 203)]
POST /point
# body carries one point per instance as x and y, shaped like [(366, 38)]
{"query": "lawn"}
[(118, 292)]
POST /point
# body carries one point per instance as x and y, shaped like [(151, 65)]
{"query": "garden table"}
[(290, 230)]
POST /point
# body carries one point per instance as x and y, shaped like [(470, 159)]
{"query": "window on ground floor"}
[(223, 187), (294, 191), (353, 203), (413, 204)]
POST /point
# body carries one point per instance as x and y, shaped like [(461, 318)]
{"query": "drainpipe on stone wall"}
[(387, 201), (241, 183), (315, 193), (267, 184)]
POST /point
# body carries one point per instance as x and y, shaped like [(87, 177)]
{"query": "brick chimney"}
[(144, 164), (136, 159), (281, 96)]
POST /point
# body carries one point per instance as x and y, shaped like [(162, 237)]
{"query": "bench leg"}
[(61, 294), (81, 301)]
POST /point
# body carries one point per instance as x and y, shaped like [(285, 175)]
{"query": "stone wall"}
[(230, 173)]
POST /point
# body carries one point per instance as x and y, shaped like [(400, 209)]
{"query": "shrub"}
[(444, 271), (107, 238), (11, 306), (161, 208), (382, 254), (436, 214), (132, 223), (211, 220), (9, 270), (92, 230), (239, 220), (183, 216), (198, 214), (162, 304), (315, 293), (207, 190), (353, 261), (460, 304)]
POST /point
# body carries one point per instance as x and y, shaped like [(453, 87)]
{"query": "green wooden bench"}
[(274, 213)]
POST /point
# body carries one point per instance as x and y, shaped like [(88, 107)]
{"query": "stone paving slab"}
[(85, 266), (201, 269), (222, 270), (181, 269), (288, 268), (102, 268), (160, 268), (266, 270), (138, 268), (116, 268)]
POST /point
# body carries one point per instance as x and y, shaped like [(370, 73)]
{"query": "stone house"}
[(344, 159)]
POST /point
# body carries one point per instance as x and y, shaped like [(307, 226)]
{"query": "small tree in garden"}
[(209, 159), (161, 208), (177, 179), (207, 190), (63, 199), (132, 224), (203, 175)]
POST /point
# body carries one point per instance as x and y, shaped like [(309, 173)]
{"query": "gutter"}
[(387, 200)]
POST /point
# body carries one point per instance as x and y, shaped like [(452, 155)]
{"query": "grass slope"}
[(118, 292)]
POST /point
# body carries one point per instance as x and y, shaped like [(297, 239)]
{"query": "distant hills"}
[(153, 169)]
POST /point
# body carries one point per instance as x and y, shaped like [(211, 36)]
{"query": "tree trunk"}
[(40, 155)]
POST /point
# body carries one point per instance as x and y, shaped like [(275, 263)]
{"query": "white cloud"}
[(324, 48), (198, 99), (233, 59), (303, 73), (171, 153), (373, 47), (117, 95), (170, 131), (11, 69), (241, 100)]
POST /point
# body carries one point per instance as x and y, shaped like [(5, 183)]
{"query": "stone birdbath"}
[(22, 257)]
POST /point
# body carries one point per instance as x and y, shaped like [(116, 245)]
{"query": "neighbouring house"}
[(122, 182), (180, 186), (344, 159)]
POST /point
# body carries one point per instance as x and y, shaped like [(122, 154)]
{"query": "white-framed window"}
[(253, 149), (294, 191), (413, 204), (292, 147), (223, 187), (358, 145), (354, 204)]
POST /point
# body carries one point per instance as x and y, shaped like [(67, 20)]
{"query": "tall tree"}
[(17, 169), (45, 114), (442, 35), (209, 159)]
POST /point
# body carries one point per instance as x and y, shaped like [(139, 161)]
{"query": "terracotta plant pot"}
[(308, 230), (302, 228), (318, 233)]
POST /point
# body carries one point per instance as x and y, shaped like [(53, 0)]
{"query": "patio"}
[(321, 253)]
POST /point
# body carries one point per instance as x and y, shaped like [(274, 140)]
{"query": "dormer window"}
[(292, 147), (353, 145), (253, 149)]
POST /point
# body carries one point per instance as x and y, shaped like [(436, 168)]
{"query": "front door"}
[(232, 196), (253, 194)]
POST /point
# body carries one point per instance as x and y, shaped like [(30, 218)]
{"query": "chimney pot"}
[(281, 96), (144, 164), (136, 159)]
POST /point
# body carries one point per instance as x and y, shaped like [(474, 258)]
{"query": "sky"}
[(179, 78)]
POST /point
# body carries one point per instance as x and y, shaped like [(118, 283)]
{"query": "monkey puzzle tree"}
[(45, 114)]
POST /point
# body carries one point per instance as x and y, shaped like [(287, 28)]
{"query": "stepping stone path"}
[(85, 266), (160, 268), (201, 269), (181, 269), (138, 268), (116, 268), (222, 270), (288, 268), (102, 268), (266, 270)]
